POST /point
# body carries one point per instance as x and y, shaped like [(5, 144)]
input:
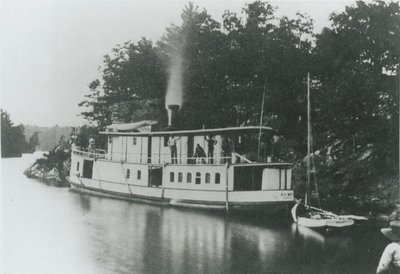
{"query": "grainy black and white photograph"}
[(199, 136)]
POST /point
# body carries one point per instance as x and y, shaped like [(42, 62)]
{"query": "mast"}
[(308, 183), (261, 118)]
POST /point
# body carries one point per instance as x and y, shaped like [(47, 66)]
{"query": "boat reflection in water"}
[(308, 233), (140, 238)]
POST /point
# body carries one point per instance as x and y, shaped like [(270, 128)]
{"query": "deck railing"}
[(163, 158), (90, 153), (138, 158)]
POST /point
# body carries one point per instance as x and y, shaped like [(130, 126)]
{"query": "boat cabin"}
[(213, 168), (137, 143)]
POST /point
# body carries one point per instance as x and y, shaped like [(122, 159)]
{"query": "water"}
[(48, 229)]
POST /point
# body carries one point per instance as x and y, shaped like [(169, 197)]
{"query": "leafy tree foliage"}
[(82, 135), (13, 142), (201, 44), (263, 54), (132, 87), (356, 93), (227, 66), (225, 69)]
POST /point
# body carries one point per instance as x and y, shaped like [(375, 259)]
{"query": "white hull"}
[(269, 201), (325, 223), (321, 223)]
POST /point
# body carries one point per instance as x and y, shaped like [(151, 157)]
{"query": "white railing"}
[(91, 153), (163, 158)]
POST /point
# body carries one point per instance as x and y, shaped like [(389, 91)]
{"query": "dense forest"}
[(219, 70), (13, 140)]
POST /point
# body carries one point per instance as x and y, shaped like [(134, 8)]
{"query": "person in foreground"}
[(390, 260)]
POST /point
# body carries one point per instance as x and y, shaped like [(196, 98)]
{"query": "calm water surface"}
[(48, 229)]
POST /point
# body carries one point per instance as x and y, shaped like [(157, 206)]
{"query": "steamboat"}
[(171, 167)]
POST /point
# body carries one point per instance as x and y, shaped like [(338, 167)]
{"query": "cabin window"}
[(77, 166), (217, 178), (171, 177), (134, 142), (139, 174), (128, 173), (208, 178), (166, 139), (180, 177), (189, 178), (198, 178)]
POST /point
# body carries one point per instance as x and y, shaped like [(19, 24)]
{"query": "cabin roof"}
[(130, 126), (213, 131)]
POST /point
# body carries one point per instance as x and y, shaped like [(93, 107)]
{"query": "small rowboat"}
[(318, 218)]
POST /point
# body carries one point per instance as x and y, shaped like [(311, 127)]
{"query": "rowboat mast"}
[(308, 183)]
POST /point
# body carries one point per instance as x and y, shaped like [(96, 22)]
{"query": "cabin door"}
[(149, 150), (155, 176), (87, 169), (248, 178), (190, 148)]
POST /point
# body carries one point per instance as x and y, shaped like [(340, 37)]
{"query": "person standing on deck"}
[(226, 148), (200, 154), (172, 146), (390, 260), (92, 146), (276, 145), (264, 148), (211, 142)]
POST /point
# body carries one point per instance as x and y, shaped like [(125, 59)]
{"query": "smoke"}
[(174, 94)]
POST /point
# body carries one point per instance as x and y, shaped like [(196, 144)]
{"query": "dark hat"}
[(393, 232)]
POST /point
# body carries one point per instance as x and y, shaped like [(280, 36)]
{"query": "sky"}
[(52, 50)]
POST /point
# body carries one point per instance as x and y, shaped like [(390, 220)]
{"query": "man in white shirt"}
[(172, 146), (390, 260)]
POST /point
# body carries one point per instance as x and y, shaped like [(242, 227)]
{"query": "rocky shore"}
[(52, 176), (53, 167)]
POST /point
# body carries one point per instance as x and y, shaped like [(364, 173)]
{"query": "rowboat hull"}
[(324, 223), (320, 222)]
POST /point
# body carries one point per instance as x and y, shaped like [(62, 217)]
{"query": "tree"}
[(224, 71), (13, 141), (132, 86), (264, 54), (200, 44), (357, 58), (356, 90), (33, 142)]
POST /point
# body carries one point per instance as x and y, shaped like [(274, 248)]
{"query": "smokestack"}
[(172, 113)]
